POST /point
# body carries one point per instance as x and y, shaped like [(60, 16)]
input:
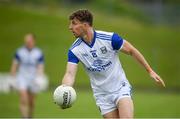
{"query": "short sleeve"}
[(72, 58), (117, 42), (17, 57), (41, 59)]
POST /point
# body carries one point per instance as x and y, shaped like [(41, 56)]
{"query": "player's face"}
[(29, 41), (76, 27)]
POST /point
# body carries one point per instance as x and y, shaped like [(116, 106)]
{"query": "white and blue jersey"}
[(101, 61), (28, 61)]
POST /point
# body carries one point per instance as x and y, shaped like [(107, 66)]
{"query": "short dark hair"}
[(82, 16)]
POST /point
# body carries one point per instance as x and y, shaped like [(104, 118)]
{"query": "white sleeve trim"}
[(122, 44), (73, 63)]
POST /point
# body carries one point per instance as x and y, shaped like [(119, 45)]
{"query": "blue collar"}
[(93, 41)]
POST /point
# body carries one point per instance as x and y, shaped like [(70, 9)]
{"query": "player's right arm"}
[(70, 74), (15, 64), (71, 69), (14, 67)]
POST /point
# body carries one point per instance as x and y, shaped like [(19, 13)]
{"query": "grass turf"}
[(147, 105)]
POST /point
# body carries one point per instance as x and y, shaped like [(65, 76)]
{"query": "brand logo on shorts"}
[(125, 94)]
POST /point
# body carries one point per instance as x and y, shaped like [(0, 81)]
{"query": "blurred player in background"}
[(98, 52), (27, 65)]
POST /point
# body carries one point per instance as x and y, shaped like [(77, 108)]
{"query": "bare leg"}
[(126, 108), (111, 115), (24, 103), (31, 97)]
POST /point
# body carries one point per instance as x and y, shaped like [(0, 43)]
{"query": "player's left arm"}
[(40, 69), (129, 49), (40, 66)]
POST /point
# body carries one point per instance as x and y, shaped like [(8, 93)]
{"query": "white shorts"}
[(26, 84), (108, 102)]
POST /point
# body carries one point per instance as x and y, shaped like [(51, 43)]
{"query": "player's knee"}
[(31, 103), (24, 100), (126, 115), (126, 112)]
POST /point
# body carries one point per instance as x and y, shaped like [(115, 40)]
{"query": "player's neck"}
[(88, 36), (29, 48)]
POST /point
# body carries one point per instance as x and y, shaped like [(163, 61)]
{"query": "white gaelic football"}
[(64, 96)]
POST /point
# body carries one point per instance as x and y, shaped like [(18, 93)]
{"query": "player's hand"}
[(157, 78)]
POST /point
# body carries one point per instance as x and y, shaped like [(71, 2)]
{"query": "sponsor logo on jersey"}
[(99, 65)]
